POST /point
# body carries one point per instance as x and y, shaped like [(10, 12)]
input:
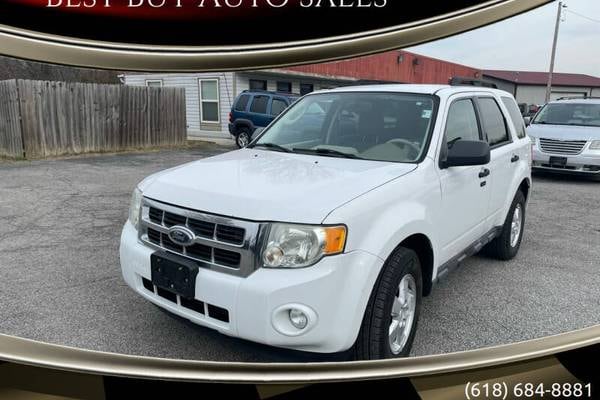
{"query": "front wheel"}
[(506, 246), (390, 320), (243, 138)]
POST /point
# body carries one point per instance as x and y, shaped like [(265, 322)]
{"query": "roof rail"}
[(462, 81), (584, 97), (271, 92)]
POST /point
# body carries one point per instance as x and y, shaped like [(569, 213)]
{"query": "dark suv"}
[(256, 109)]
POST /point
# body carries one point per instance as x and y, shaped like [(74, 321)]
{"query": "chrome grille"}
[(568, 147), (220, 243)]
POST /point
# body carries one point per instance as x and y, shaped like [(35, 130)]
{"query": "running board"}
[(474, 248)]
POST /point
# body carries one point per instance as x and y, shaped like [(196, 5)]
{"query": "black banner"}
[(215, 22)]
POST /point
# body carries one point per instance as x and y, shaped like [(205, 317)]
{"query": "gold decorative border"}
[(30, 352), (42, 47), (64, 50)]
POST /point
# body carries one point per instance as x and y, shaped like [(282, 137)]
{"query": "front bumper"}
[(584, 163), (334, 293)]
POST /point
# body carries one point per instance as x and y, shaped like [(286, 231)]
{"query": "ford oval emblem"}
[(181, 235)]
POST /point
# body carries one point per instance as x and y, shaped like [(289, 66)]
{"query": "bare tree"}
[(14, 68)]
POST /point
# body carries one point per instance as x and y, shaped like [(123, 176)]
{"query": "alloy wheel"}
[(403, 314)]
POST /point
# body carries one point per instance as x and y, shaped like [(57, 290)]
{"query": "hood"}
[(270, 186), (564, 132)]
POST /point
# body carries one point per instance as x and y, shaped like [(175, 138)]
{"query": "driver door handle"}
[(484, 172)]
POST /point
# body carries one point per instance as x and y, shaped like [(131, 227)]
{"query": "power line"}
[(584, 16)]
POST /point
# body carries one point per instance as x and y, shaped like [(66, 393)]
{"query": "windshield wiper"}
[(272, 146), (328, 152)]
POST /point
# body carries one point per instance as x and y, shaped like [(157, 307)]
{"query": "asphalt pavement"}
[(60, 222)]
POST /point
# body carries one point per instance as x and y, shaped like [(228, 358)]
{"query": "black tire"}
[(243, 137), (373, 341), (501, 247)]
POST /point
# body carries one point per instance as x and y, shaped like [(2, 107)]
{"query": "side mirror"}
[(527, 120), (467, 152)]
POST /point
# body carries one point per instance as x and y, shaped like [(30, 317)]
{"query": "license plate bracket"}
[(175, 274), (557, 161)]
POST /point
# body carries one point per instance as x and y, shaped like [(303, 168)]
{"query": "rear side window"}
[(462, 121), (259, 104), (242, 103), (515, 116), (493, 121), (277, 106)]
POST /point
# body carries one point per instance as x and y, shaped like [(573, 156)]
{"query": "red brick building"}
[(393, 66)]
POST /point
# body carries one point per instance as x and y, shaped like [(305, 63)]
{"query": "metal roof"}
[(541, 78), (582, 100)]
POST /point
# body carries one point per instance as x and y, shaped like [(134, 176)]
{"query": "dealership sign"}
[(227, 34)]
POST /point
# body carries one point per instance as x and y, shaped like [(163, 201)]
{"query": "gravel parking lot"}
[(60, 222)]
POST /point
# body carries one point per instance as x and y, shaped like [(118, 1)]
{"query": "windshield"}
[(569, 114), (372, 126)]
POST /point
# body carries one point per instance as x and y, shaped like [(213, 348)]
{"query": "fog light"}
[(298, 318)]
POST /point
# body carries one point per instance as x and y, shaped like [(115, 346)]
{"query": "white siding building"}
[(209, 96), (530, 87)]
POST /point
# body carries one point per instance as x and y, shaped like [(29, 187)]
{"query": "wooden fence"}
[(42, 118), (11, 143)]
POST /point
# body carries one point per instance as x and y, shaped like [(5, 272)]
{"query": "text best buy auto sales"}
[(223, 3)]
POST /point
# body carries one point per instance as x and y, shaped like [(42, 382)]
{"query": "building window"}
[(257, 84), (284, 87), (154, 82), (209, 100), (306, 88)]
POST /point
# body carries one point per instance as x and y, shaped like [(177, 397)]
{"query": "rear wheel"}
[(243, 137), (507, 245), (390, 320)]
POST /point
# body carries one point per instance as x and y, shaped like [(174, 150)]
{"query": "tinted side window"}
[(278, 106), (515, 116), (259, 104), (493, 121), (462, 121), (242, 103)]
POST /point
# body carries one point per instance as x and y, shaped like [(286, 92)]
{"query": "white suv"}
[(326, 231)]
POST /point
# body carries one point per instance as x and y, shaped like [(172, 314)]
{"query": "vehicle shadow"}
[(547, 176)]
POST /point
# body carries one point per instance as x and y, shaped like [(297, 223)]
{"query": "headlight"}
[(134, 207), (298, 246), (595, 145), (532, 140)]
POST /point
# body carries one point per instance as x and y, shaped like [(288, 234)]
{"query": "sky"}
[(524, 42)]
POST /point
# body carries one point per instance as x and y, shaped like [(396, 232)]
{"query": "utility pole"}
[(554, 43)]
